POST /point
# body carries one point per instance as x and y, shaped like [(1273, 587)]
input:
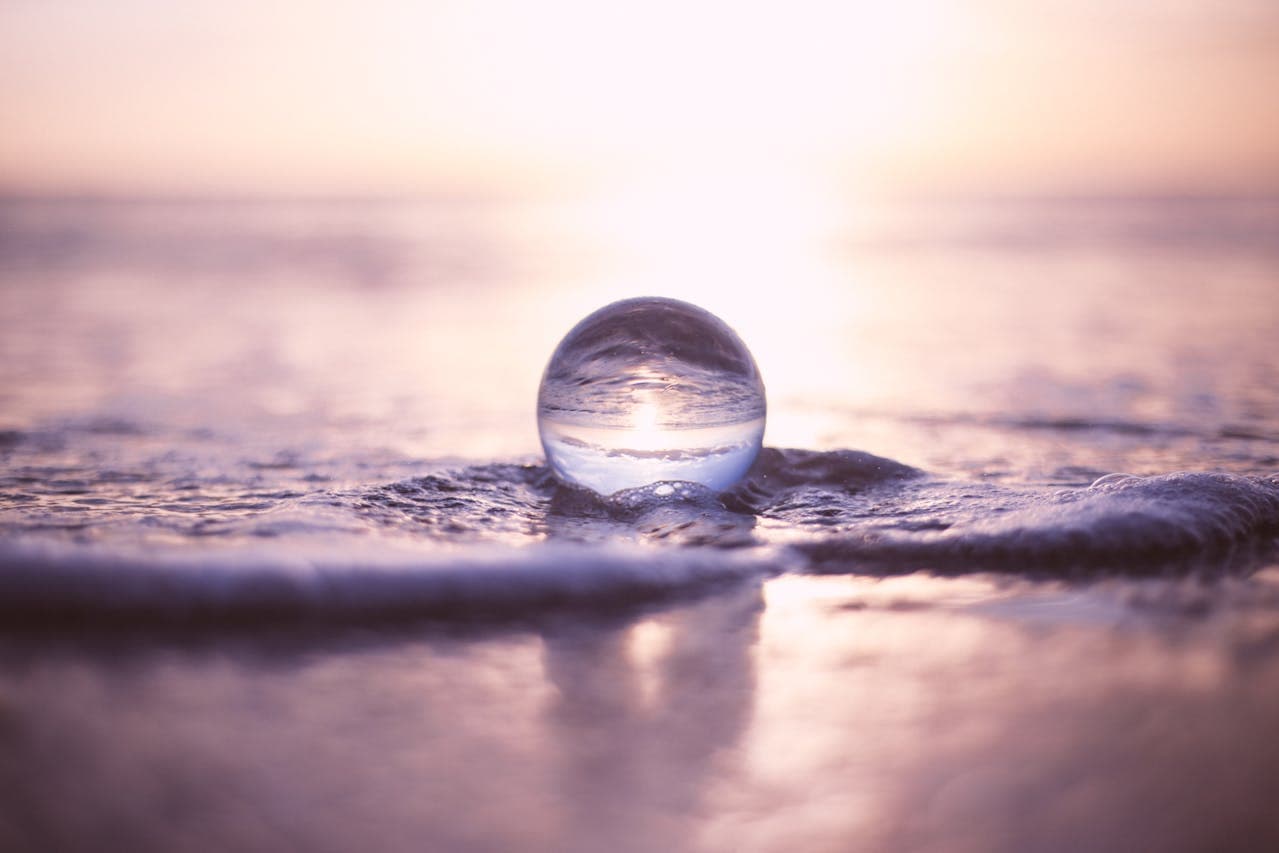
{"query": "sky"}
[(914, 96)]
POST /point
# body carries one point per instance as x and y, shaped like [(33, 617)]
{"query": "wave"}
[(39, 583), (1121, 525), (506, 541)]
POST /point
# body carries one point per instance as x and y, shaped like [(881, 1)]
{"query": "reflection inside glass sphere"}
[(647, 390)]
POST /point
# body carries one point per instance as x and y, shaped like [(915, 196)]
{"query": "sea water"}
[(282, 563)]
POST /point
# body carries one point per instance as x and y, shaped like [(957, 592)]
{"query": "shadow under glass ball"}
[(649, 390)]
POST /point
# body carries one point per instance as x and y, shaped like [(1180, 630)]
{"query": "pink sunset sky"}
[(916, 96)]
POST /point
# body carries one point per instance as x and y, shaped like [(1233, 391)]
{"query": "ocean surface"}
[(282, 567)]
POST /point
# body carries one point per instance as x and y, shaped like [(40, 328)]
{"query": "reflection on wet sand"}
[(806, 713), (971, 715), (635, 764)]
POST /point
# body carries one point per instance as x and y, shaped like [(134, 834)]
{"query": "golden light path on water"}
[(644, 433), (758, 251)]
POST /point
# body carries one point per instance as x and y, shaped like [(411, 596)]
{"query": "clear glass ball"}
[(650, 390)]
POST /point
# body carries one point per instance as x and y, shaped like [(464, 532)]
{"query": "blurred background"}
[(383, 215)]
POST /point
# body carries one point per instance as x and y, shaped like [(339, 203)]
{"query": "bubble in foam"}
[(650, 390), (1114, 480)]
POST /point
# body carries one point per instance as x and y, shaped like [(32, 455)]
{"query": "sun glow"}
[(563, 90), (652, 88), (749, 247), (563, 95), (644, 434)]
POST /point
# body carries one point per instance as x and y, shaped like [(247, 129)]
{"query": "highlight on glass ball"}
[(650, 390)]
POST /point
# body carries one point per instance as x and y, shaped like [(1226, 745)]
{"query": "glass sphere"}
[(650, 390)]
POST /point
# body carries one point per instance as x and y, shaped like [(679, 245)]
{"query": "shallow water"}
[(281, 564)]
